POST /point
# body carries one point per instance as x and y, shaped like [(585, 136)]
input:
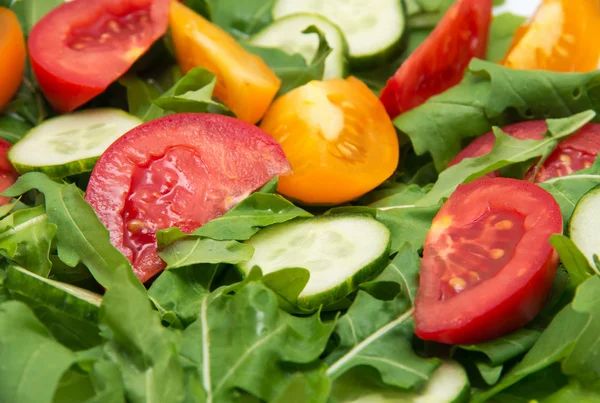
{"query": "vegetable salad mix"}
[(299, 201)]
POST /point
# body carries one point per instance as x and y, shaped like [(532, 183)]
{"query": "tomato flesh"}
[(487, 265), (577, 152), (79, 48), (440, 61), (182, 170)]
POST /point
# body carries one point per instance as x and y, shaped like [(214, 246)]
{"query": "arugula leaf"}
[(494, 95), (402, 195), (242, 221), (30, 12), (12, 128), (37, 361), (573, 260), (4, 295), (292, 69), (501, 35), (225, 350), (507, 150), (381, 341), (568, 190), (240, 19), (190, 251), (70, 313), (26, 237)]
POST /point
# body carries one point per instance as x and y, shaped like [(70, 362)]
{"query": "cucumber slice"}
[(448, 384), (286, 34), (374, 29), (340, 252), (583, 228), (70, 144)]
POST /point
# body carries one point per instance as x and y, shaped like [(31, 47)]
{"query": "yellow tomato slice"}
[(244, 82), (563, 35), (338, 138), (12, 49)]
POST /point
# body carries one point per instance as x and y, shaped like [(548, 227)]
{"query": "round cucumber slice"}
[(70, 144), (583, 228), (339, 251), (287, 35), (374, 29)]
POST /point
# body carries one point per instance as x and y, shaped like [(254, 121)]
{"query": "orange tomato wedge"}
[(245, 84), (563, 35), (12, 49), (337, 137)]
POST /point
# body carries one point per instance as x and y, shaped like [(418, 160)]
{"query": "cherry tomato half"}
[(440, 61), (244, 82), (487, 265), (79, 48), (563, 35), (181, 170), (337, 137), (577, 152), (8, 175), (12, 50)]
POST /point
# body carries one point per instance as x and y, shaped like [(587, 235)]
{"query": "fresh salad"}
[(321, 201)]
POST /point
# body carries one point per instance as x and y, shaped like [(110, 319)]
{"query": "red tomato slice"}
[(181, 170), (577, 152), (8, 175), (487, 265), (79, 48), (440, 61)]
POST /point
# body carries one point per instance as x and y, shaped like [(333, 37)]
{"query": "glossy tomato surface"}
[(12, 50), (244, 82), (181, 170), (338, 139), (577, 152), (440, 61), (8, 175), (487, 265), (81, 47)]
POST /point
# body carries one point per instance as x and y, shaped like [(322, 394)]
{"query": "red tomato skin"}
[(68, 77), (224, 159), (440, 61), (8, 175), (517, 293)]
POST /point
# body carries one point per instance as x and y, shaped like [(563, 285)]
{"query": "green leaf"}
[(70, 313), (404, 196), (489, 373), (80, 236), (240, 336), (241, 222), (507, 150), (381, 341), (36, 360), (568, 190), (33, 10), (292, 69), (490, 95), (573, 260), (573, 392), (26, 237), (12, 129), (501, 35), (240, 19), (139, 97), (191, 251)]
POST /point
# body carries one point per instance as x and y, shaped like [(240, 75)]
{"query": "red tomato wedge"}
[(181, 170), (487, 265), (577, 152), (8, 175), (79, 48), (440, 61)]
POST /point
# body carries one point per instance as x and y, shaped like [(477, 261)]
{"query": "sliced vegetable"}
[(563, 35), (244, 82), (97, 42), (577, 152), (288, 34), (8, 175), (181, 170), (583, 228), (374, 29), (440, 61), (337, 137), (487, 265), (12, 49), (72, 143), (339, 252)]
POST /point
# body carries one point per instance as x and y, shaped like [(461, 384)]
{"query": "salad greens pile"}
[(76, 325)]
